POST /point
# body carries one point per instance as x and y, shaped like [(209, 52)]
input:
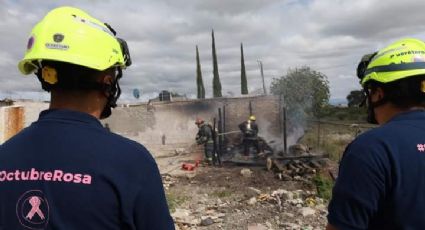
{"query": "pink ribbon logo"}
[(35, 202), (32, 210)]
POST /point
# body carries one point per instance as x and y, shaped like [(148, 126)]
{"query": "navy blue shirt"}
[(381, 182), (66, 171)]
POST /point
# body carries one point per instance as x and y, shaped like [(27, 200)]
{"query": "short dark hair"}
[(403, 93), (70, 76)]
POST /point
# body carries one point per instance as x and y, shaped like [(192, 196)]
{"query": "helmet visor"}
[(124, 47), (125, 52)]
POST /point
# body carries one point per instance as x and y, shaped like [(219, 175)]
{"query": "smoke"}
[(296, 123), (276, 140), (295, 135)]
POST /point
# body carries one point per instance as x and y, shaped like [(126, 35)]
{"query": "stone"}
[(321, 207), (291, 226), (290, 215), (298, 193), (180, 151), (319, 200), (257, 227), (286, 195), (180, 213), (184, 216), (256, 191), (219, 201), (295, 202), (220, 215), (278, 192), (246, 172), (306, 211), (207, 221), (190, 175), (252, 201), (269, 225)]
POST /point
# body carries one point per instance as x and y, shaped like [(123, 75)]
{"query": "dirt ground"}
[(240, 197)]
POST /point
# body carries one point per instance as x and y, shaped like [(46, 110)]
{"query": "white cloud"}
[(330, 36)]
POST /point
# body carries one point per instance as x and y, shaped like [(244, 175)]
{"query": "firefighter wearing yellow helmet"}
[(249, 131), (382, 170), (66, 170), (68, 47)]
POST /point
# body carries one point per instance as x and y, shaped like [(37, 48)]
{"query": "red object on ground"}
[(189, 166)]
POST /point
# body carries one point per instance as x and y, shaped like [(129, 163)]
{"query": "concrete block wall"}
[(31, 110), (148, 123), (12, 121)]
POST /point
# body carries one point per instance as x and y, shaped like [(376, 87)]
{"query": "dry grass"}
[(330, 138)]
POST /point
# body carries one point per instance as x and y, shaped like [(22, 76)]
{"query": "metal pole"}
[(262, 76), (280, 115), (250, 108), (224, 118), (224, 127), (214, 136), (220, 138)]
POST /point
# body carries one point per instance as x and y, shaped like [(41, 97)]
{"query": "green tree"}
[(199, 82), (244, 82), (355, 98), (303, 89), (216, 79)]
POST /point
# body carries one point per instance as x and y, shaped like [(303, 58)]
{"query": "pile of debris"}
[(296, 169), (299, 164)]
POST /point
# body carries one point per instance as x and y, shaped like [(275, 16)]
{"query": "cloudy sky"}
[(330, 36)]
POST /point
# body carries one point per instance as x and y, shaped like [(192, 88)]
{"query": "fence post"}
[(285, 138)]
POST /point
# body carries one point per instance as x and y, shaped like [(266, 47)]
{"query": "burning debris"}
[(300, 163)]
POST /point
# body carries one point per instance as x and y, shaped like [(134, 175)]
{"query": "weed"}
[(324, 186), (174, 201), (221, 193)]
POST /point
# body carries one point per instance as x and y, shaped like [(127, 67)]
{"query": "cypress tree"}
[(216, 79), (199, 82), (244, 82)]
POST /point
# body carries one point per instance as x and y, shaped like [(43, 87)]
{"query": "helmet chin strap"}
[(371, 116), (114, 92)]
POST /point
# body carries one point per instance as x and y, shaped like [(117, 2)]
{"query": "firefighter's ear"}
[(377, 94)]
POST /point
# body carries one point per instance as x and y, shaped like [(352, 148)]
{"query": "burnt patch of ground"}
[(229, 176), (224, 198)]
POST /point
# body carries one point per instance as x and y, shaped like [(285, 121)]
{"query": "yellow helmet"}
[(252, 118), (402, 59), (70, 35)]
